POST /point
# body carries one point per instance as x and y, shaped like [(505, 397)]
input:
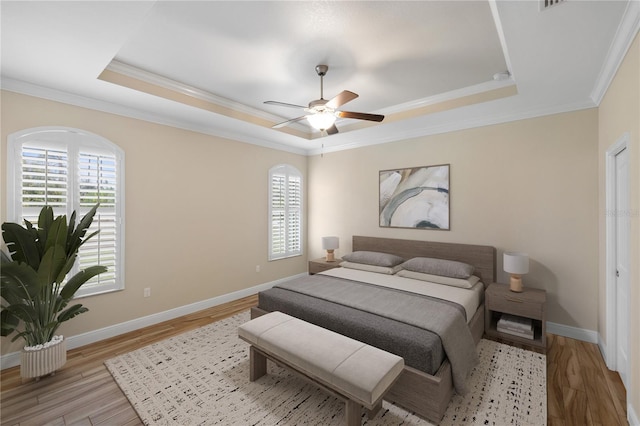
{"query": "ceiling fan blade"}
[(341, 99), (332, 130), (284, 104), (285, 123), (360, 115)]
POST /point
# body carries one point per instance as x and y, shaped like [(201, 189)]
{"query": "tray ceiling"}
[(429, 66)]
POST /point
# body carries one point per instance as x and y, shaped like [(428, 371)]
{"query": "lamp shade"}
[(330, 243), (516, 263)]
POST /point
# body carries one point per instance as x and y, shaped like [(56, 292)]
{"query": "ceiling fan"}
[(322, 113)]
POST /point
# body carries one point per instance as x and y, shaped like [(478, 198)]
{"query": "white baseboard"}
[(632, 417), (573, 332), (603, 350), (13, 359)]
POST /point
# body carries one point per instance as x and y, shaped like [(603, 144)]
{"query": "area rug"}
[(202, 378)]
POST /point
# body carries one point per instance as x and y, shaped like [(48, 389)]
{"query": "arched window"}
[(285, 212), (70, 169)]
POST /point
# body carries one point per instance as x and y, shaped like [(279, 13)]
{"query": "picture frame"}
[(415, 197)]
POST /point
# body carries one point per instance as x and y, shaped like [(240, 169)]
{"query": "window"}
[(285, 212), (70, 169)]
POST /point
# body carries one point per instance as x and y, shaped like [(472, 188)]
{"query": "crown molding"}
[(149, 77), (176, 86), (625, 34), (167, 83), (500, 30), (460, 124), (30, 89), (447, 96)]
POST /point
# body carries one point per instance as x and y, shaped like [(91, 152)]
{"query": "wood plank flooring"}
[(581, 390)]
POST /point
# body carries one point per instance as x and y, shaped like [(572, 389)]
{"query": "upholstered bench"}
[(355, 372)]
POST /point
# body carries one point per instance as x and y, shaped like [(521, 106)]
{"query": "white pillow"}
[(454, 282), (371, 268)]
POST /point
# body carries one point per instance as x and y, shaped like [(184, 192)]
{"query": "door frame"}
[(610, 267)]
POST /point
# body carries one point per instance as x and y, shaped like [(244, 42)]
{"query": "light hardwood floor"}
[(581, 391)]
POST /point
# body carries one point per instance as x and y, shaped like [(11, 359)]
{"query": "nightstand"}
[(319, 265), (528, 304)]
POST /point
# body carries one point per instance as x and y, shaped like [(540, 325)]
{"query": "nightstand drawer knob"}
[(513, 299)]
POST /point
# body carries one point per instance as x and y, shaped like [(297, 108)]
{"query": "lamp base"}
[(330, 256), (515, 284)]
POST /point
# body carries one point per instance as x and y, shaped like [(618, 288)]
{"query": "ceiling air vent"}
[(546, 4)]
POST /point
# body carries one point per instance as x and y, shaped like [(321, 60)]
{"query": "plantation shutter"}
[(294, 211), (278, 234), (44, 181), (72, 170), (97, 179), (285, 211)]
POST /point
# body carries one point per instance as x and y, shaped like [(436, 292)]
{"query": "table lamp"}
[(330, 244), (516, 264)]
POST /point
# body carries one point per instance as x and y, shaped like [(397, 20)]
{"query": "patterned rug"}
[(202, 378)]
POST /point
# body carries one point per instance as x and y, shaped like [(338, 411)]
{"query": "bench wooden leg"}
[(257, 364), (374, 411), (353, 413)]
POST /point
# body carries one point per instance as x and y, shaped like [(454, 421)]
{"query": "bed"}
[(428, 380)]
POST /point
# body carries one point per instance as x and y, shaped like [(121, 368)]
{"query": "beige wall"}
[(529, 185), (196, 211), (619, 112)]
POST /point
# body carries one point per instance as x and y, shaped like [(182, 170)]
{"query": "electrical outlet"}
[(257, 268), (147, 292)]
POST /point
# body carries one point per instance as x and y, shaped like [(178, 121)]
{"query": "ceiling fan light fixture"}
[(322, 113), (322, 120)]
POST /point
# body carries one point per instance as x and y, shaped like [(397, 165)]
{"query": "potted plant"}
[(33, 287)]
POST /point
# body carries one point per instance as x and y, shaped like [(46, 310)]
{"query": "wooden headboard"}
[(482, 257)]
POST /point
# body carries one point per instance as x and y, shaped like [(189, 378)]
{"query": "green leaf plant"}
[(35, 295)]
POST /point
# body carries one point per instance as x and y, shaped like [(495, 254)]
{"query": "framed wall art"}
[(416, 197)]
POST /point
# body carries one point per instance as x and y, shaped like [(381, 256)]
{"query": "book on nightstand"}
[(516, 326), (523, 334)]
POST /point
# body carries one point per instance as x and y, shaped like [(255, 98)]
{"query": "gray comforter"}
[(439, 317)]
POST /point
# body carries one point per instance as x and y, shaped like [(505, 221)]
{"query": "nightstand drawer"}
[(321, 265), (515, 304), (318, 267)]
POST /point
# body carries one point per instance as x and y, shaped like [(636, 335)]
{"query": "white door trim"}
[(610, 266)]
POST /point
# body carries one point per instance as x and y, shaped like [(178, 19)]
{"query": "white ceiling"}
[(400, 57)]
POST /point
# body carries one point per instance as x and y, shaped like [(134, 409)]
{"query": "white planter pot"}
[(38, 363)]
